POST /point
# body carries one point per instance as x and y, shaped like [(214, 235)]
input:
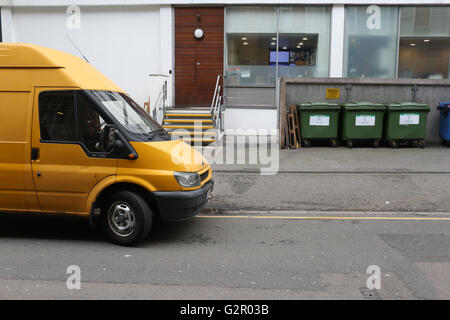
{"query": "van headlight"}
[(187, 179)]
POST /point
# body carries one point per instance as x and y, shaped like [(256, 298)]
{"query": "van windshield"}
[(127, 112)]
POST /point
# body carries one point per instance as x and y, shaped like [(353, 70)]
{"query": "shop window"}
[(370, 42), (251, 35), (424, 43), (250, 59), (304, 41), (297, 55), (303, 34)]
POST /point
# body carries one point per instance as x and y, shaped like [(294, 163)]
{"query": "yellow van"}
[(73, 142)]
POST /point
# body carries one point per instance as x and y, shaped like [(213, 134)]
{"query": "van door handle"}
[(34, 154)]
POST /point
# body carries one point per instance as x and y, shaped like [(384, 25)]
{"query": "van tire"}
[(126, 218)]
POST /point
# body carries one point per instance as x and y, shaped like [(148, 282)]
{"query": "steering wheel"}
[(108, 137)]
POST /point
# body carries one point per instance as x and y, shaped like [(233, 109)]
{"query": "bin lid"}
[(444, 105), (405, 106), (318, 106), (363, 106)]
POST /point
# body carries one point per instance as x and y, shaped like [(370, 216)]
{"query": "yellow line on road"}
[(326, 218)]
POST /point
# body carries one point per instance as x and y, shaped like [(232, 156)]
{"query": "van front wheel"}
[(127, 218)]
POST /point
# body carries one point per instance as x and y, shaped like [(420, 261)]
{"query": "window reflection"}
[(297, 55), (249, 59), (304, 31), (370, 43), (424, 43), (251, 36)]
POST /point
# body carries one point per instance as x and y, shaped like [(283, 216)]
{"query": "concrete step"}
[(198, 140), (193, 120), (188, 111), (187, 127), (190, 114), (203, 134), (187, 120)]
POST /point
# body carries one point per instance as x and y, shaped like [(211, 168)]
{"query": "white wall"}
[(337, 40), (7, 25), (250, 119), (122, 42)]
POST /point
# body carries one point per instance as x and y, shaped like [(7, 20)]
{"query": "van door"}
[(17, 192), (68, 159)]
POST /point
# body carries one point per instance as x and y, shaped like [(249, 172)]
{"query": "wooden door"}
[(198, 62)]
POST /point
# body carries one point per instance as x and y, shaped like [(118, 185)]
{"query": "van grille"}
[(204, 175)]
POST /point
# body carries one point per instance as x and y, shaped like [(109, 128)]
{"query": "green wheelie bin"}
[(319, 121), (362, 121), (406, 122)]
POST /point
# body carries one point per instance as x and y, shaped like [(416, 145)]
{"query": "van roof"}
[(22, 55), (80, 73)]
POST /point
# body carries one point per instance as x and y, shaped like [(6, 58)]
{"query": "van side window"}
[(70, 116), (57, 116), (91, 125)]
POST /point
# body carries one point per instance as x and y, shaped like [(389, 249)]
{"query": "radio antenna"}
[(73, 43)]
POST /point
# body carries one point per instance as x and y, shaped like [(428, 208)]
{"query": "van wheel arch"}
[(123, 186)]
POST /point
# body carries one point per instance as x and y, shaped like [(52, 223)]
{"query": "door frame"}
[(88, 174), (224, 51)]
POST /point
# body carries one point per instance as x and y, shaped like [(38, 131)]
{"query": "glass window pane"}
[(251, 19), (425, 21), (57, 116), (250, 59), (91, 125), (132, 117), (426, 58), (424, 43), (370, 44), (304, 41), (251, 41)]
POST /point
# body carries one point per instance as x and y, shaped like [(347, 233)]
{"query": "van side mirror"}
[(115, 144), (112, 140), (110, 136)]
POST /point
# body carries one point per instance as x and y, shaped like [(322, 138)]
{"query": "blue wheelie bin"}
[(444, 123)]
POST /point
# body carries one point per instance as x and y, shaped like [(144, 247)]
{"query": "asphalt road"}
[(231, 257), (308, 232)]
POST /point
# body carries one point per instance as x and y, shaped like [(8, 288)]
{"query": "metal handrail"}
[(216, 106), (159, 108), (216, 93), (219, 115)]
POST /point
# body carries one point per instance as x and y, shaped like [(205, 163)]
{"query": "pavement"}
[(339, 179), (433, 158), (314, 230)]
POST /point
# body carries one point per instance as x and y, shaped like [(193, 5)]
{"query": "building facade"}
[(140, 44)]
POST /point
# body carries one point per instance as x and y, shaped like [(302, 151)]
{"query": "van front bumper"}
[(182, 205)]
